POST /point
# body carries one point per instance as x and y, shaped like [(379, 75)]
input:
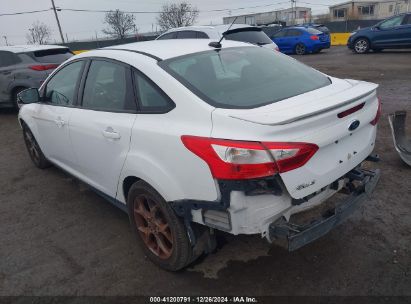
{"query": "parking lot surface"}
[(60, 238)]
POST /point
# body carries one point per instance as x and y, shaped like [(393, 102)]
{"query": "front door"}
[(53, 115), (100, 129), (389, 33)]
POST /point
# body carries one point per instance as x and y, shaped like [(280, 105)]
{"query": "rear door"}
[(292, 39), (8, 60), (100, 130)]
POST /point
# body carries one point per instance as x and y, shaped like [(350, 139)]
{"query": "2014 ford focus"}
[(190, 138)]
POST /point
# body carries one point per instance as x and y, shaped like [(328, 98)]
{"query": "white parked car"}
[(188, 138), (236, 32)]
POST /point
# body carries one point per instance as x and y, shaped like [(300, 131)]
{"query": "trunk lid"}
[(312, 118)]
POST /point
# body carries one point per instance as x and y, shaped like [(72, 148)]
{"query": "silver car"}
[(27, 66)]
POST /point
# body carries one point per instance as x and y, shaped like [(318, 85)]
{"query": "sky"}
[(86, 25)]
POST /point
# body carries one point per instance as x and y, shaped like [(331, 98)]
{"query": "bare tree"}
[(39, 33), (119, 23), (176, 15)]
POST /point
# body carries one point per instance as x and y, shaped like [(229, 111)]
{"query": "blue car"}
[(301, 40), (392, 33)]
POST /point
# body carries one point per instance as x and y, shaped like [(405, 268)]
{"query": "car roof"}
[(218, 29), (170, 48), (30, 48)]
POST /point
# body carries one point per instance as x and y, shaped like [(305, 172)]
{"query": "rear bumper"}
[(294, 236)]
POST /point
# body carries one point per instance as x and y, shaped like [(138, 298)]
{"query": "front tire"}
[(34, 150), (160, 233), (361, 46), (300, 49)]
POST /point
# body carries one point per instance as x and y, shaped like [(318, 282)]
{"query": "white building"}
[(289, 16), (368, 9)]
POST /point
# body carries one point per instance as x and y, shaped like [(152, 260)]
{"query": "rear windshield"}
[(251, 36), (313, 31), (52, 55), (243, 77)]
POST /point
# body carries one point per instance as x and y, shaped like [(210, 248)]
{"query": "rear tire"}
[(361, 46), (34, 150), (300, 49), (159, 231)]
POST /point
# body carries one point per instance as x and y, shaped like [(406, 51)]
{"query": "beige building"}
[(289, 16), (368, 9)]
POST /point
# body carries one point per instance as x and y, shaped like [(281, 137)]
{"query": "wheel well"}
[(127, 183), (362, 37)]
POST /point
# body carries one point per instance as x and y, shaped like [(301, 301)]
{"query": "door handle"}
[(60, 122), (111, 134)]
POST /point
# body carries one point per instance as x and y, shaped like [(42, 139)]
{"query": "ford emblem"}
[(354, 125)]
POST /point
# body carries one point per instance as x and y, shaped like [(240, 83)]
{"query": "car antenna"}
[(217, 44)]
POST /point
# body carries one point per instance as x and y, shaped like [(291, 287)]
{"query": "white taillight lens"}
[(241, 156)]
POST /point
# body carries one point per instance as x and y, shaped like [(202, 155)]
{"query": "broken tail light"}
[(378, 114), (230, 159)]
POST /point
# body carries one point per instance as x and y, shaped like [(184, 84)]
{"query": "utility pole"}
[(5, 38), (58, 21), (293, 13)]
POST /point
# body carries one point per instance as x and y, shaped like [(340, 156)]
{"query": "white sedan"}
[(188, 138)]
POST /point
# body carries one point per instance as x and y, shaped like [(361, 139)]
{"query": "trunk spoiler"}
[(402, 144)]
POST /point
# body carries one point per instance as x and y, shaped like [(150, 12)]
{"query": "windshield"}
[(251, 36), (243, 77)]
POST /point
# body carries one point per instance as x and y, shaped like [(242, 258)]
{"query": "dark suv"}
[(391, 33), (27, 66)]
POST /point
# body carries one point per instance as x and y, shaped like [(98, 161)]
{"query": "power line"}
[(136, 12), (27, 12)]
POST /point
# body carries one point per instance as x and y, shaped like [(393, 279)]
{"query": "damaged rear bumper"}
[(293, 236), (401, 143)]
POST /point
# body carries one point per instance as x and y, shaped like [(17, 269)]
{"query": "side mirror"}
[(28, 96)]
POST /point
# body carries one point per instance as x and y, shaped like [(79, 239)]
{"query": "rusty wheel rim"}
[(153, 227)]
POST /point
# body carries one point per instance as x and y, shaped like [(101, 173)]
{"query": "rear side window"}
[(243, 77), (407, 20), (186, 35), (8, 59), (294, 33), (202, 35), (167, 36), (251, 36), (61, 89), (151, 98), (106, 87), (52, 55)]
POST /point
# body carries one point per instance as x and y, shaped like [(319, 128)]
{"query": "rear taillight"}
[(314, 37), (43, 67), (229, 159), (378, 114), (350, 111)]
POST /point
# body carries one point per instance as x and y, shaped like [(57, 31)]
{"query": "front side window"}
[(243, 77), (151, 98), (390, 23), (106, 87), (61, 89)]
